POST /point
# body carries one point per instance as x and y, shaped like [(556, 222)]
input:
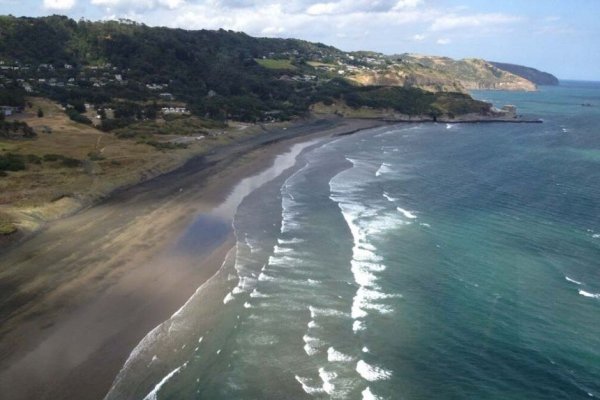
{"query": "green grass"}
[(275, 64), (6, 228)]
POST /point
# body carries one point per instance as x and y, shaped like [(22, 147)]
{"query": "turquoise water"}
[(430, 261)]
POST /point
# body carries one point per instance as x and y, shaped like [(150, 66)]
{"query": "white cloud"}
[(322, 8), (139, 4), (407, 4), (454, 21), (419, 37), (365, 6), (59, 4), (443, 41)]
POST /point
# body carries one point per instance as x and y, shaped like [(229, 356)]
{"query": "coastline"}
[(104, 278)]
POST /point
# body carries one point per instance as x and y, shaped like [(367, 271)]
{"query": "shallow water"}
[(419, 261)]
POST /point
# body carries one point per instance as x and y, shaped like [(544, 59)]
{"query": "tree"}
[(40, 113)]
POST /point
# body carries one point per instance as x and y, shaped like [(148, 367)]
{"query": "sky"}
[(558, 36)]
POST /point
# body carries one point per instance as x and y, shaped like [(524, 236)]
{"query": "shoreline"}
[(110, 283)]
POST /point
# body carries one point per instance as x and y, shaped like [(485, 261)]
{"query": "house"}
[(166, 96), (174, 110), (9, 110)]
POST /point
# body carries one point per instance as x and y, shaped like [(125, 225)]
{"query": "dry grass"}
[(50, 190)]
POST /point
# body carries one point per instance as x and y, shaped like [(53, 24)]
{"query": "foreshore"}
[(79, 295)]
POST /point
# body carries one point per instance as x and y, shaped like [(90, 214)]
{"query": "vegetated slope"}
[(534, 75)]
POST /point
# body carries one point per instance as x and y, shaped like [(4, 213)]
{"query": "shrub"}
[(33, 159), (12, 162), (71, 162), (166, 145), (75, 116), (52, 157), (95, 156)]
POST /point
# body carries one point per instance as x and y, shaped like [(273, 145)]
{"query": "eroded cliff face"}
[(442, 74)]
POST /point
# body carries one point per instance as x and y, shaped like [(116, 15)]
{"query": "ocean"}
[(413, 261)]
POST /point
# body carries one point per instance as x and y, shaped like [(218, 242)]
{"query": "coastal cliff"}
[(436, 74)]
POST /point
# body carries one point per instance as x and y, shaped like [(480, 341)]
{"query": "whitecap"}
[(256, 294), (358, 326), (247, 305), (588, 294), (572, 280), (389, 198), (228, 298), (306, 387), (312, 324), (282, 250), (365, 349), (383, 169), (368, 395), (336, 356), (372, 373), (290, 241), (596, 235), (264, 277), (153, 395), (406, 213), (327, 378)]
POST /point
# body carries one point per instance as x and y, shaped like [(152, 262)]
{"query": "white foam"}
[(306, 387), (365, 349), (406, 213), (383, 169), (368, 395), (200, 339), (449, 126), (389, 198), (153, 395), (247, 305), (290, 241), (372, 373), (256, 294), (327, 378), (282, 260), (228, 298), (572, 280), (588, 294), (282, 250), (313, 282), (362, 275), (358, 326), (328, 312), (312, 324), (365, 299), (311, 346), (336, 356), (264, 277), (596, 235)]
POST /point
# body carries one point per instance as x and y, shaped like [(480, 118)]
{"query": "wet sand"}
[(77, 297)]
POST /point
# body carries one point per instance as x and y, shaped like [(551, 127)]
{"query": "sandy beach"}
[(78, 296)]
